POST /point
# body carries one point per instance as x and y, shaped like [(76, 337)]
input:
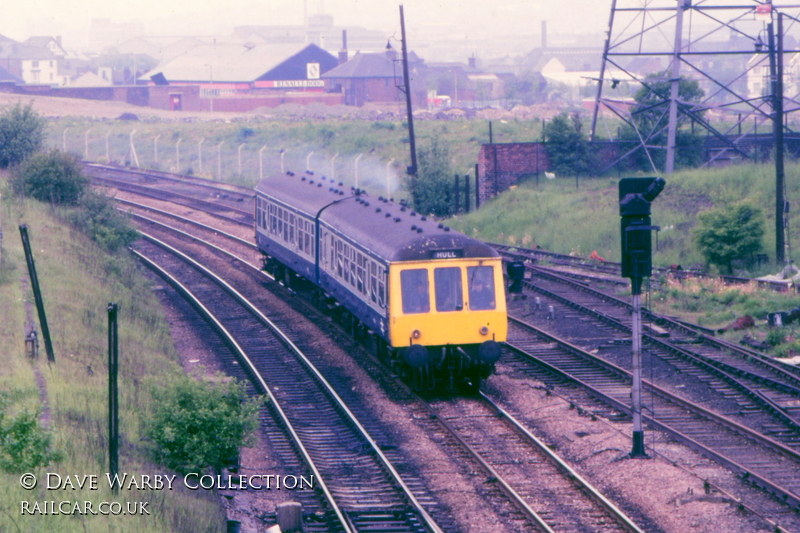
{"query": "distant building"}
[(377, 78), (228, 68), (36, 61)]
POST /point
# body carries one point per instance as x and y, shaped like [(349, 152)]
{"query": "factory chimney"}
[(343, 51), (544, 34)]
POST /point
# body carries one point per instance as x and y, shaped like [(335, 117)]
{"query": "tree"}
[(52, 176), (566, 146), (651, 118), (197, 424), (21, 134), (432, 188), (729, 233), (97, 217)]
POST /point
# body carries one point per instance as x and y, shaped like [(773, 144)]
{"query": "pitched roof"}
[(7, 77), (573, 59), (226, 63), (43, 41), (90, 79), (367, 66)]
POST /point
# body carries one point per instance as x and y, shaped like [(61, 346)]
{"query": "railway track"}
[(769, 464), (611, 270), (545, 488), (787, 495), (755, 381), (578, 506), (234, 206), (363, 490)]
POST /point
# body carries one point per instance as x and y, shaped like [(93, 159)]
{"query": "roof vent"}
[(311, 182), (388, 215), (310, 172), (413, 214), (380, 198), (330, 189), (366, 204), (341, 193), (446, 228), (397, 219), (402, 208), (378, 210), (289, 173), (424, 219), (341, 184), (303, 178), (319, 185), (419, 230), (414, 228), (440, 226)]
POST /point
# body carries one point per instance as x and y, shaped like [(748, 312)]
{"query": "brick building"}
[(376, 78), (226, 77)]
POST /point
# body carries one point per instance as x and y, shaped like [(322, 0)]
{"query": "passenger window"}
[(414, 287), (448, 289), (481, 288)]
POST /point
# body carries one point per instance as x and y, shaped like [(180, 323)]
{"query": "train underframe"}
[(451, 368)]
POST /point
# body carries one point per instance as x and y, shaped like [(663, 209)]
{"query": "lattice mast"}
[(721, 46)]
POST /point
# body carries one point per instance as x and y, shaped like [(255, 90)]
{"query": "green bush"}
[(21, 134), (53, 176), (24, 444), (97, 217), (198, 425), (729, 233)]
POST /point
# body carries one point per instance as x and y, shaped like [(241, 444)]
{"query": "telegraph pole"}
[(776, 78), (412, 170)]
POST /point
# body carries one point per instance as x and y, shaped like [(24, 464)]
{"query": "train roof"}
[(388, 229)]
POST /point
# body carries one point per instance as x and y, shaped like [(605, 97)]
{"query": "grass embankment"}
[(78, 281), (554, 215)]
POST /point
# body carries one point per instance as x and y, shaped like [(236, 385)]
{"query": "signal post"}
[(635, 197)]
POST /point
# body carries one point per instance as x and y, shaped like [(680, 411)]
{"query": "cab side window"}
[(414, 289), (481, 288), (448, 289)]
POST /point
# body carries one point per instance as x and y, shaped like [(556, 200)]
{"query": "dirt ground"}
[(49, 106)]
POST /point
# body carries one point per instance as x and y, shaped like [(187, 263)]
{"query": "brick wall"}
[(502, 165)]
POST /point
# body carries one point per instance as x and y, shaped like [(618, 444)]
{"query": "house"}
[(377, 78), (8, 79), (36, 61)]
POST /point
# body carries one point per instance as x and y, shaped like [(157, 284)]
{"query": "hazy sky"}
[(22, 19)]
